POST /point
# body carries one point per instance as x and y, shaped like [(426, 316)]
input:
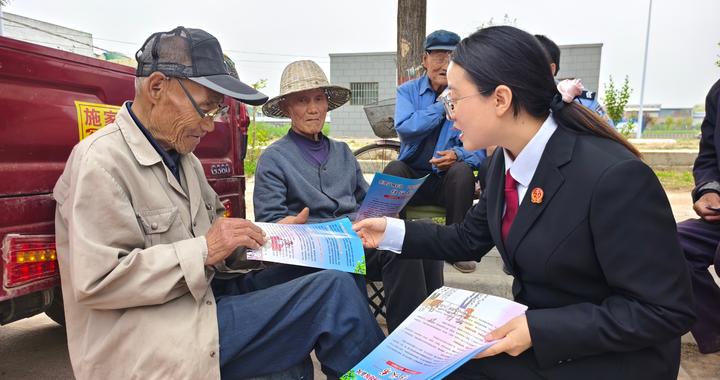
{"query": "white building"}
[(46, 34)]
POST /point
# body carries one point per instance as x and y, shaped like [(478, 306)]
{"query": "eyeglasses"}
[(216, 114), (450, 103), (439, 56)]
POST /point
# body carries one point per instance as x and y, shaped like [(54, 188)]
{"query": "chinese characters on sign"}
[(93, 116)]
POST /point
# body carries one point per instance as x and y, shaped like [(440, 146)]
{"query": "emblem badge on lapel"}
[(536, 196)]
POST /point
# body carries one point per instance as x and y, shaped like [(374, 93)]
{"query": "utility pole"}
[(642, 83)]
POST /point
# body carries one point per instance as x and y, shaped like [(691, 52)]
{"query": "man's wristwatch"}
[(712, 186)]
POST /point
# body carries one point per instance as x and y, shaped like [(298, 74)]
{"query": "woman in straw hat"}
[(306, 176)]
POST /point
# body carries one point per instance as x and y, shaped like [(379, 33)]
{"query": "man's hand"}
[(226, 234), (514, 338), (702, 207), (446, 159), (300, 218), (371, 231)]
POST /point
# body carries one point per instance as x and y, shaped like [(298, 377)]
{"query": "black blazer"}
[(597, 262), (707, 163)]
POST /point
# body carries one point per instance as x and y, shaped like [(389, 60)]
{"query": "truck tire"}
[(56, 310)]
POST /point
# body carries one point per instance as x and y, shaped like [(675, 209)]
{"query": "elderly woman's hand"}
[(300, 218)]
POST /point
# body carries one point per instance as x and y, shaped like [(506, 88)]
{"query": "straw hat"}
[(301, 76)]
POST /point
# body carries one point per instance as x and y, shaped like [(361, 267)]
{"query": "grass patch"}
[(676, 180), (272, 132), (689, 143), (265, 134), (250, 167)]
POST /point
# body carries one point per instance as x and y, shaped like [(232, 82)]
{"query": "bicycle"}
[(374, 157)]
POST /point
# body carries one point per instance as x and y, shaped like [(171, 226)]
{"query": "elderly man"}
[(147, 262), (587, 98), (428, 142), (700, 238)]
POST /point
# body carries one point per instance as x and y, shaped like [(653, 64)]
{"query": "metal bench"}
[(375, 289)]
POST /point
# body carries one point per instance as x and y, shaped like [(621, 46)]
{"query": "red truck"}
[(50, 100)]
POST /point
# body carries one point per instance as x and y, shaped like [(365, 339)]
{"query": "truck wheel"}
[(56, 311)]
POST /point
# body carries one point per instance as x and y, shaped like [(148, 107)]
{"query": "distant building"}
[(371, 77), (583, 62), (47, 34), (650, 111), (656, 114)]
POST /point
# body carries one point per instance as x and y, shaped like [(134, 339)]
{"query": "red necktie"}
[(511, 204)]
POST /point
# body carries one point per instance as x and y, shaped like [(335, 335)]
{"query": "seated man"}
[(700, 238), (142, 245), (587, 98), (428, 142), (307, 169)]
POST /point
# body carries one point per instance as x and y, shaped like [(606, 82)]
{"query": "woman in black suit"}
[(581, 223)]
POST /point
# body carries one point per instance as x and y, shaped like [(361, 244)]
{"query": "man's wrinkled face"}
[(436, 63), (175, 123), (307, 110)]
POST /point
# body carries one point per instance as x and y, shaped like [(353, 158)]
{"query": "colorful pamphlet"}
[(329, 245), (388, 195), (444, 332)]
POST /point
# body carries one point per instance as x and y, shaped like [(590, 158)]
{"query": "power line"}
[(64, 36), (225, 50), (277, 54), (50, 43)]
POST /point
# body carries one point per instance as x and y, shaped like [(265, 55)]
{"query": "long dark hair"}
[(504, 55)]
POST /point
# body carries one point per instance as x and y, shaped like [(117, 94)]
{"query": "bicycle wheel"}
[(375, 157)]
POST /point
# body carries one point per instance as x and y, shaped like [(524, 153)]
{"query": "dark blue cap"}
[(441, 40)]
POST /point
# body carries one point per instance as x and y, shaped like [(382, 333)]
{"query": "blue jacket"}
[(417, 114)]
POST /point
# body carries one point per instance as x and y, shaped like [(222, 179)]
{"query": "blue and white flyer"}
[(388, 195), (329, 245)]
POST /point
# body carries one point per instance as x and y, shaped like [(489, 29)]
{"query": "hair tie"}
[(557, 103), (567, 91)]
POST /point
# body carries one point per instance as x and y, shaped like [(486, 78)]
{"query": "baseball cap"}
[(441, 40), (196, 55)]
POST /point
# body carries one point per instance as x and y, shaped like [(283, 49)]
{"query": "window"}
[(364, 93)]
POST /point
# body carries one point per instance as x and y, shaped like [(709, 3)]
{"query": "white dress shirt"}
[(522, 168)]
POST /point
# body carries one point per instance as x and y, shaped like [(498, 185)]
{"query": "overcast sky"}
[(262, 37)]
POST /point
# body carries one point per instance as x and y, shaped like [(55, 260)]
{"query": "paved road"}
[(34, 348)]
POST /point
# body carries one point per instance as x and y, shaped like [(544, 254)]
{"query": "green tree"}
[(670, 123), (616, 100), (505, 21), (718, 61)]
